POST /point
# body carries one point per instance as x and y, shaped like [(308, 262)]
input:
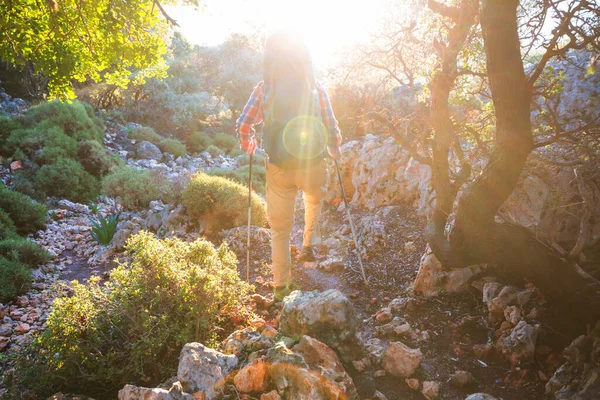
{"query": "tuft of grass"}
[(104, 229)]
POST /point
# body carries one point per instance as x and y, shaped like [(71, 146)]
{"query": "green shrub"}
[(214, 150), (105, 335), (23, 251), (76, 119), (257, 159), (57, 145), (105, 228), (7, 226), (172, 146), (198, 142), (15, 279), (95, 159), (27, 215), (219, 203), (145, 133), (7, 126), (23, 183), (226, 142), (235, 153), (242, 174), (135, 188), (26, 141), (66, 178)]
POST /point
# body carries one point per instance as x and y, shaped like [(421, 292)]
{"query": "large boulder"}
[(148, 151), (202, 371), (328, 316)]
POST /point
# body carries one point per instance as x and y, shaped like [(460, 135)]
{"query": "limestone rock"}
[(497, 302), (297, 383), (254, 377), (519, 345), (461, 378), (272, 395), (320, 357), (204, 370), (327, 316), (245, 341), (431, 390), (384, 316), (148, 151), (130, 392), (398, 327), (400, 360), (432, 279), (413, 383), (480, 396)]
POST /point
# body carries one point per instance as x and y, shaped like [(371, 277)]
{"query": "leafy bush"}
[(257, 159), (76, 119), (214, 150), (242, 174), (15, 279), (28, 216), (66, 178), (7, 226), (57, 145), (235, 153), (106, 335), (23, 182), (219, 203), (145, 133), (225, 142), (23, 251), (95, 159), (105, 228), (135, 188), (7, 126), (172, 146), (198, 142)]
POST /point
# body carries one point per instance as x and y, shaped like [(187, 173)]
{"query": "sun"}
[(327, 26)]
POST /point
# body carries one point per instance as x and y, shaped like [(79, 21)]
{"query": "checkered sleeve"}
[(251, 116), (334, 133)]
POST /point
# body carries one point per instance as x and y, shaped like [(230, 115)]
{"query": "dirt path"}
[(454, 323)]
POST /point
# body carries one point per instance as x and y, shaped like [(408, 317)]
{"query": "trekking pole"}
[(249, 217), (358, 252)]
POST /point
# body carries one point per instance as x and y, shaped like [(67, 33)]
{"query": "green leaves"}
[(105, 228), (82, 40)]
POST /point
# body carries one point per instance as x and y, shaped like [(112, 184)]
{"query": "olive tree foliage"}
[(76, 40), (490, 83)]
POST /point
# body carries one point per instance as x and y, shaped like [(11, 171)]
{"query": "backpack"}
[(293, 135)]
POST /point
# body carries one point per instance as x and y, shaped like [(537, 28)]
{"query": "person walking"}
[(300, 130)]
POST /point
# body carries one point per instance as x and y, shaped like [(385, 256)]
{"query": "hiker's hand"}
[(334, 152), (249, 147)]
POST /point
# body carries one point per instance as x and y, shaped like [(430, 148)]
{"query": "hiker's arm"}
[(251, 116), (333, 130)]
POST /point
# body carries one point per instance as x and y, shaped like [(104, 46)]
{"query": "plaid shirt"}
[(253, 115)]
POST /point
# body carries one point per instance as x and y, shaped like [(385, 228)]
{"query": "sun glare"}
[(327, 26)]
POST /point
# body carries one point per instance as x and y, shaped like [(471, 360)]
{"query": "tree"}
[(102, 40), (462, 46)]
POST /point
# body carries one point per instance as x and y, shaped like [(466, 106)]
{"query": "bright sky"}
[(327, 25)]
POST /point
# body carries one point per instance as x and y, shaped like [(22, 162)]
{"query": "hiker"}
[(299, 130)]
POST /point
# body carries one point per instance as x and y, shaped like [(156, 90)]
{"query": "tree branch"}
[(164, 13), (401, 138)]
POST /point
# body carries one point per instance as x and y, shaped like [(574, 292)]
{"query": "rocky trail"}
[(423, 332)]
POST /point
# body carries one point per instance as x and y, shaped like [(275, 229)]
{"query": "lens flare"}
[(305, 137)]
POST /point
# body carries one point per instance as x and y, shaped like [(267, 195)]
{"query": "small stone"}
[(269, 331), (413, 383), (461, 379), (4, 341), (480, 396), (22, 328), (272, 395), (360, 365), (379, 373), (400, 360), (483, 351), (384, 316), (378, 396), (431, 390), (512, 314), (253, 377)]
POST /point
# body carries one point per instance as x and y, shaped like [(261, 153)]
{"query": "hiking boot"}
[(307, 254), (280, 292)]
